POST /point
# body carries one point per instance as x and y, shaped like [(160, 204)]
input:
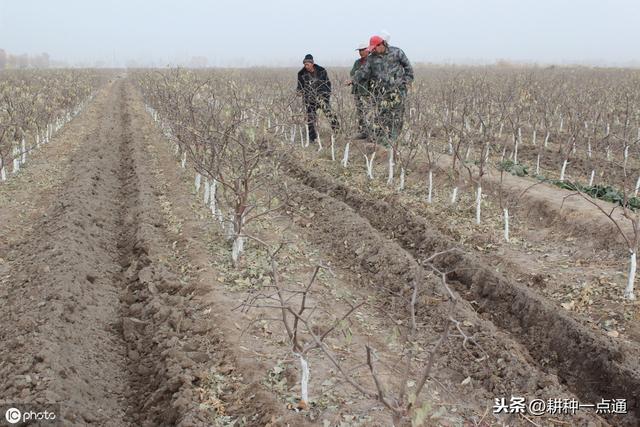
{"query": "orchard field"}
[(173, 250)]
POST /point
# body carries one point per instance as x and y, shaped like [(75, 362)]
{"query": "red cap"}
[(374, 41)]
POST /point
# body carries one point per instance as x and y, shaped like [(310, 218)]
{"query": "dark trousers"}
[(312, 106)]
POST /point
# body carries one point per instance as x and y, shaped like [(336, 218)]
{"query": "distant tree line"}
[(23, 61)]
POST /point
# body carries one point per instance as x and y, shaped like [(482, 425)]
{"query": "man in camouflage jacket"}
[(389, 74), (315, 87), (360, 91)]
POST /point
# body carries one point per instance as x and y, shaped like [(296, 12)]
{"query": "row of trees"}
[(569, 124), (34, 105)]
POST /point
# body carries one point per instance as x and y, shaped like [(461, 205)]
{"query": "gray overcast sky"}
[(280, 32)]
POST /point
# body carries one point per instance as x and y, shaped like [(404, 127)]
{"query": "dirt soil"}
[(98, 314), (120, 302), (553, 339)]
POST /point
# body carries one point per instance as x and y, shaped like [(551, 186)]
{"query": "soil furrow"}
[(593, 367)]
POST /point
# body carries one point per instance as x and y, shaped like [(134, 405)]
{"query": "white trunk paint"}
[(500, 131), (538, 164), (506, 224), (391, 164), (629, 291), (307, 140), (504, 151), (454, 195), (450, 145), (293, 134), (24, 152), (207, 189), (402, 175), (3, 174), (430, 185), (183, 163), (369, 163), (345, 157), (237, 249), (535, 134), (301, 137), (593, 175), (563, 170), (197, 182), (333, 148), (515, 150), (546, 139), (319, 142), (304, 381), (478, 203), (608, 153), (635, 194), (589, 149)]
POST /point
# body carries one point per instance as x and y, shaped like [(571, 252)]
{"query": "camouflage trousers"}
[(388, 117), (362, 110)]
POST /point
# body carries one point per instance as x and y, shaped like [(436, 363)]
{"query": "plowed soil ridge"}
[(592, 366), (94, 316)]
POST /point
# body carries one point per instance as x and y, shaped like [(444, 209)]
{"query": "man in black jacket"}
[(315, 87)]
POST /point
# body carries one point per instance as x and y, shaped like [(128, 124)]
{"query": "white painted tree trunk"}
[(402, 176), (593, 175), (391, 165), (450, 145), (183, 163), (608, 153), (589, 149), (506, 223), (207, 189), (237, 248), (307, 140), (546, 139), (533, 139), (345, 157), (629, 291), (430, 186), (563, 170), (304, 380), (454, 195), (538, 165), (24, 152), (635, 194), (369, 163), (333, 148), (478, 203), (197, 182), (515, 150), (3, 174), (293, 134), (301, 137), (500, 131), (504, 151), (319, 142)]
